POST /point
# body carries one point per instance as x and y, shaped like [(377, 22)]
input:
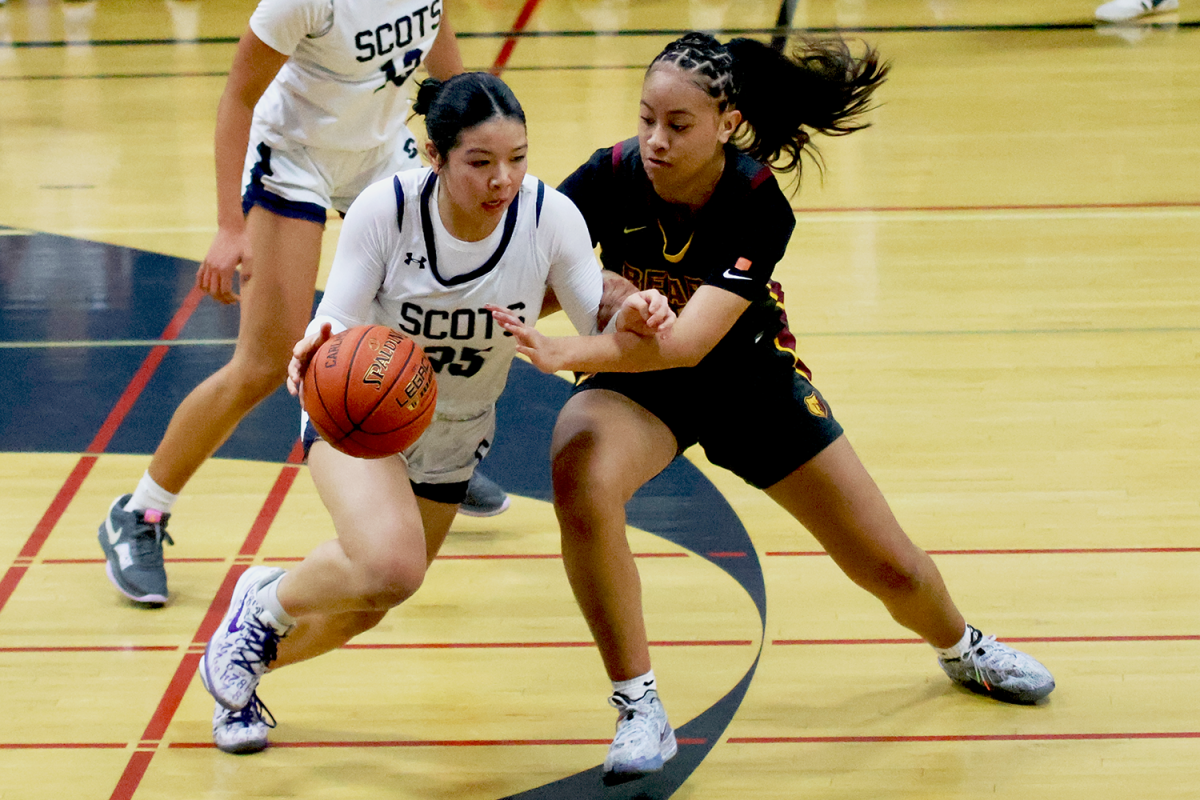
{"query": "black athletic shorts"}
[(453, 493), (758, 421)]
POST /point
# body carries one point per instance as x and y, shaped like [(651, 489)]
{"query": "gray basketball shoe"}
[(133, 548), (484, 498)]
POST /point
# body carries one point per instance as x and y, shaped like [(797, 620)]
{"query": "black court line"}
[(777, 30)]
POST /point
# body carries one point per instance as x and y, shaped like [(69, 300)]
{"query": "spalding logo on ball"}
[(370, 391)]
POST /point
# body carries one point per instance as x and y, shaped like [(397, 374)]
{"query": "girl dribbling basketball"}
[(424, 252)]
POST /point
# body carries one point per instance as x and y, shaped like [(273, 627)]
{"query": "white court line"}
[(119, 343)]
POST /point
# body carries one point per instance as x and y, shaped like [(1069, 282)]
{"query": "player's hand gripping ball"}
[(370, 391)]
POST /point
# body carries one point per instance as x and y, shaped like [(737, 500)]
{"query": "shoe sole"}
[(491, 512), (1015, 698), (245, 748), (615, 778), (156, 600), (205, 678)]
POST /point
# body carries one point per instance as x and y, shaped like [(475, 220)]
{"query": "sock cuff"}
[(635, 689), (957, 650)]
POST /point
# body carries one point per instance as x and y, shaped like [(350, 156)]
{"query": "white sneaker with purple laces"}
[(244, 645)]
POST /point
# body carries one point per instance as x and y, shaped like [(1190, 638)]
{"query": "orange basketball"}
[(370, 391)]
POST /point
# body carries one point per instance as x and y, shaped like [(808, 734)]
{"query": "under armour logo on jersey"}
[(420, 260)]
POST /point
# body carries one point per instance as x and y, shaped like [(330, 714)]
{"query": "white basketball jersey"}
[(397, 265), (341, 87)]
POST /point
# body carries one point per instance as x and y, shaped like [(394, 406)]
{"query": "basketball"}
[(370, 391)]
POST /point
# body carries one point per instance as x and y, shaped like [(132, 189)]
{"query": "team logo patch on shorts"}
[(815, 406)]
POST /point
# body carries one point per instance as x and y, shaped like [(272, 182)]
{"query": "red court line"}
[(1012, 207), (519, 645), (1041, 551), (144, 373), (101, 560), (139, 761), (438, 743), (1026, 639), (287, 476), (506, 50), (498, 557), (130, 648), (999, 737), (70, 487)]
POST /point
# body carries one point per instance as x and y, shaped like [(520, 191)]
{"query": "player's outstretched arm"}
[(683, 342), (642, 316)]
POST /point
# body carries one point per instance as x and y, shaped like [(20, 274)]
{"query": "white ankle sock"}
[(635, 688), (149, 494), (957, 651), (268, 598)]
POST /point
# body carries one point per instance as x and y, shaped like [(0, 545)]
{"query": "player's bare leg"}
[(341, 589), (604, 448), (276, 305), (837, 501)]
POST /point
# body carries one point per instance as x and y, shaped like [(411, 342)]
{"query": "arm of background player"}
[(444, 59), (254, 67)]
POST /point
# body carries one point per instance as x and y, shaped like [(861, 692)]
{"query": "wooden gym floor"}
[(997, 287)]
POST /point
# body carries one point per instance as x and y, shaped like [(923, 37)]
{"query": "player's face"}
[(481, 176), (681, 133)]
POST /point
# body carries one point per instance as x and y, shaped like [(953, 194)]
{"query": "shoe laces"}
[(260, 646), (634, 718), (254, 712), (148, 535), (995, 656)]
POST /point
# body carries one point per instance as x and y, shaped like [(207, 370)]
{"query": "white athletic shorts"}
[(315, 178), (447, 452)]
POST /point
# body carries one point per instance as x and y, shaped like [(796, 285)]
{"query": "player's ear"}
[(435, 159), (728, 124)]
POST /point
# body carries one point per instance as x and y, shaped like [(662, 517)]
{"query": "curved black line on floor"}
[(681, 506), (56, 288)]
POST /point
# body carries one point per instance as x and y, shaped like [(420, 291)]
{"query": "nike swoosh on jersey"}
[(631, 230), (735, 276)]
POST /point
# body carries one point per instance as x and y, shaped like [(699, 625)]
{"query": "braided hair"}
[(784, 98)]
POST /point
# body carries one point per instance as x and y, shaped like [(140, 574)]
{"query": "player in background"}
[(690, 205), (312, 113), (416, 250), (1129, 10)]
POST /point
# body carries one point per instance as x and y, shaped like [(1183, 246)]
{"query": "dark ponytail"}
[(461, 102), (820, 87)]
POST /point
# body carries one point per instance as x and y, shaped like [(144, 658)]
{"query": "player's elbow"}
[(681, 352)]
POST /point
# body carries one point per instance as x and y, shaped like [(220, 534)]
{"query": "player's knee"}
[(580, 484), (253, 379), (389, 581)]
